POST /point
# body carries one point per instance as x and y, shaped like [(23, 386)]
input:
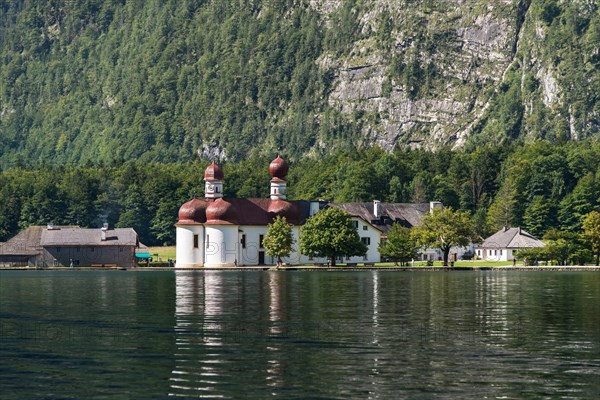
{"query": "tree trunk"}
[(333, 260), (446, 252)]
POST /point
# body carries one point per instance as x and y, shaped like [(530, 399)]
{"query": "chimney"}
[(519, 230), (103, 230), (376, 208), (435, 204)]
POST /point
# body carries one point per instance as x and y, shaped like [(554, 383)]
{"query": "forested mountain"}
[(102, 81)]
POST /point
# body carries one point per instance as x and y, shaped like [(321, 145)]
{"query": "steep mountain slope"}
[(108, 80)]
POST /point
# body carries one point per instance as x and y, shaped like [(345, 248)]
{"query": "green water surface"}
[(294, 334)]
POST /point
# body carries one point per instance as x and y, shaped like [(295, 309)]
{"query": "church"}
[(217, 232)]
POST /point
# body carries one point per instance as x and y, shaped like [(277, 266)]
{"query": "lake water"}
[(294, 334)]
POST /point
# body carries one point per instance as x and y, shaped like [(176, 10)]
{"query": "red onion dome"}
[(278, 168), (221, 212), (213, 173), (193, 212), (284, 209)]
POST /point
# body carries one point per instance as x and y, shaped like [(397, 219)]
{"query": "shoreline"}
[(318, 268)]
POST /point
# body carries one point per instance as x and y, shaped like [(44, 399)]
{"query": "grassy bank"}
[(162, 253)]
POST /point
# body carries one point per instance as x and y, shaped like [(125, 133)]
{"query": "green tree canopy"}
[(278, 241), (329, 233), (443, 229), (562, 247), (399, 246), (591, 233)]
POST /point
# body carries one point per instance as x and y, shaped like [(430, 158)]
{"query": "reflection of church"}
[(210, 338), (218, 232)]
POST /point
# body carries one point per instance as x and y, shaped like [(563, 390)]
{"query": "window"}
[(195, 241), (366, 240), (275, 190), (500, 252), (207, 241), (495, 252), (365, 228), (260, 241), (121, 249), (243, 241), (217, 190), (91, 249), (355, 224), (78, 249), (58, 249)]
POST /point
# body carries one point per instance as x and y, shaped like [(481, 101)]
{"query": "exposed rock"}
[(549, 87), (473, 52), (212, 152)]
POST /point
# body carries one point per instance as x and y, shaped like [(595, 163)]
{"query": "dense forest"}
[(539, 186), (111, 109), (107, 81)]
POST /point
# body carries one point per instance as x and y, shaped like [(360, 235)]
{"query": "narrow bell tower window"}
[(195, 241)]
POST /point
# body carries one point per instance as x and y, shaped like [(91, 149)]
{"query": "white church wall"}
[(221, 245), (249, 255), (186, 255)]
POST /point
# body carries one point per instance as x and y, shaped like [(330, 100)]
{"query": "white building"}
[(502, 244), (217, 232)]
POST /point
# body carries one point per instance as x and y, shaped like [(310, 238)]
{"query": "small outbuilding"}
[(502, 245)]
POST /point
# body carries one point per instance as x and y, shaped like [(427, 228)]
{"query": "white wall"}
[(221, 245), (495, 254), (374, 236), (224, 247), (186, 256), (249, 255)]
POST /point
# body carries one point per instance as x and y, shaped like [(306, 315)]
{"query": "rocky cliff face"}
[(462, 55)]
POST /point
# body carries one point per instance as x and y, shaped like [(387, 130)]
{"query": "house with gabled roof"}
[(502, 245), (63, 246), (373, 220)]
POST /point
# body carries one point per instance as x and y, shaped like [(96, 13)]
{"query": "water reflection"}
[(211, 346), (380, 335), (274, 369)]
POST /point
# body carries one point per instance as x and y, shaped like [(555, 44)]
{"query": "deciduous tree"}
[(279, 241), (591, 233), (329, 233), (399, 246), (445, 228)]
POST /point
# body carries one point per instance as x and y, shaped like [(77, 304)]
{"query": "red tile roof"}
[(256, 211)]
